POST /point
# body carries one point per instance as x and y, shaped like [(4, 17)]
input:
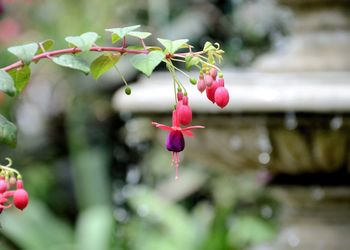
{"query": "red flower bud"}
[(3, 186), (222, 97), (19, 184), (20, 198), (211, 91), (184, 112), (208, 80), (221, 82), (201, 85), (179, 95), (213, 72), (185, 100)]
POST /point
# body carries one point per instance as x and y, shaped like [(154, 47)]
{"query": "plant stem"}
[(74, 50), (121, 75)]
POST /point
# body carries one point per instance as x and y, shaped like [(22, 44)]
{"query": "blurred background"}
[(270, 172)]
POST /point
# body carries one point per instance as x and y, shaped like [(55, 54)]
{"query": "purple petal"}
[(175, 141)]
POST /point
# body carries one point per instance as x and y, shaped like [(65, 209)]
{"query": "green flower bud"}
[(127, 90), (193, 80)]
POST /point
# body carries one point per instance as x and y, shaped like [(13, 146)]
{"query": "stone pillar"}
[(319, 38), (312, 218)]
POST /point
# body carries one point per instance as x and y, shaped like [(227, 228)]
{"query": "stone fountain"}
[(289, 115)]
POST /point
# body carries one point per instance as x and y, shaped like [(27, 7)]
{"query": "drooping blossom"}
[(210, 91), (208, 79), (222, 97), (184, 111), (175, 142)]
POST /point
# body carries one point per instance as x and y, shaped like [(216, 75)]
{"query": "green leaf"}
[(21, 77), (208, 46), (47, 44), (8, 132), (147, 63), (191, 61), (119, 33), (140, 34), (103, 63), (6, 83), (72, 62), (173, 46), (84, 41), (24, 52)]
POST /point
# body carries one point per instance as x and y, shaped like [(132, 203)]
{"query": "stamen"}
[(176, 165)]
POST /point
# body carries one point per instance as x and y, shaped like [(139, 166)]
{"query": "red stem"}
[(49, 54), (73, 51)]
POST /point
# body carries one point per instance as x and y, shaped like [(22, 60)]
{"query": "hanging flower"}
[(175, 141)]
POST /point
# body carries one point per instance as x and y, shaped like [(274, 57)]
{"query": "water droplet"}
[(266, 211), (264, 158), (336, 122)]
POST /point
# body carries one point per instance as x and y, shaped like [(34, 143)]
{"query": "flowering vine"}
[(145, 58)]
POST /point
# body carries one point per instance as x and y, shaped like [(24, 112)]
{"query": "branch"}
[(49, 54)]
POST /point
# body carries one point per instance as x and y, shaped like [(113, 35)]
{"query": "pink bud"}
[(3, 186), (20, 198), (19, 184), (208, 80), (184, 113), (221, 82), (179, 95), (213, 72), (222, 97), (211, 91), (185, 100), (201, 85)]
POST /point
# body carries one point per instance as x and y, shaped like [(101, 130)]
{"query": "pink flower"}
[(175, 141), (201, 84), (222, 97), (184, 112), (208, 79), (211, 91)]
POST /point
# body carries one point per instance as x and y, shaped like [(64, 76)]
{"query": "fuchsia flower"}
[(175, 141), (201, 84), (184, 111), (210, 91)]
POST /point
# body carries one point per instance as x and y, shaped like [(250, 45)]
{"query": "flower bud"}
[(185, 100), (201, 85), (213, 72), (211, 91), (20, 198), (127, 90), (3, 186), (208, 80), (179, 95), (184, 112), (19, 184), (193, 80), (221, 82), (222, 97)]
